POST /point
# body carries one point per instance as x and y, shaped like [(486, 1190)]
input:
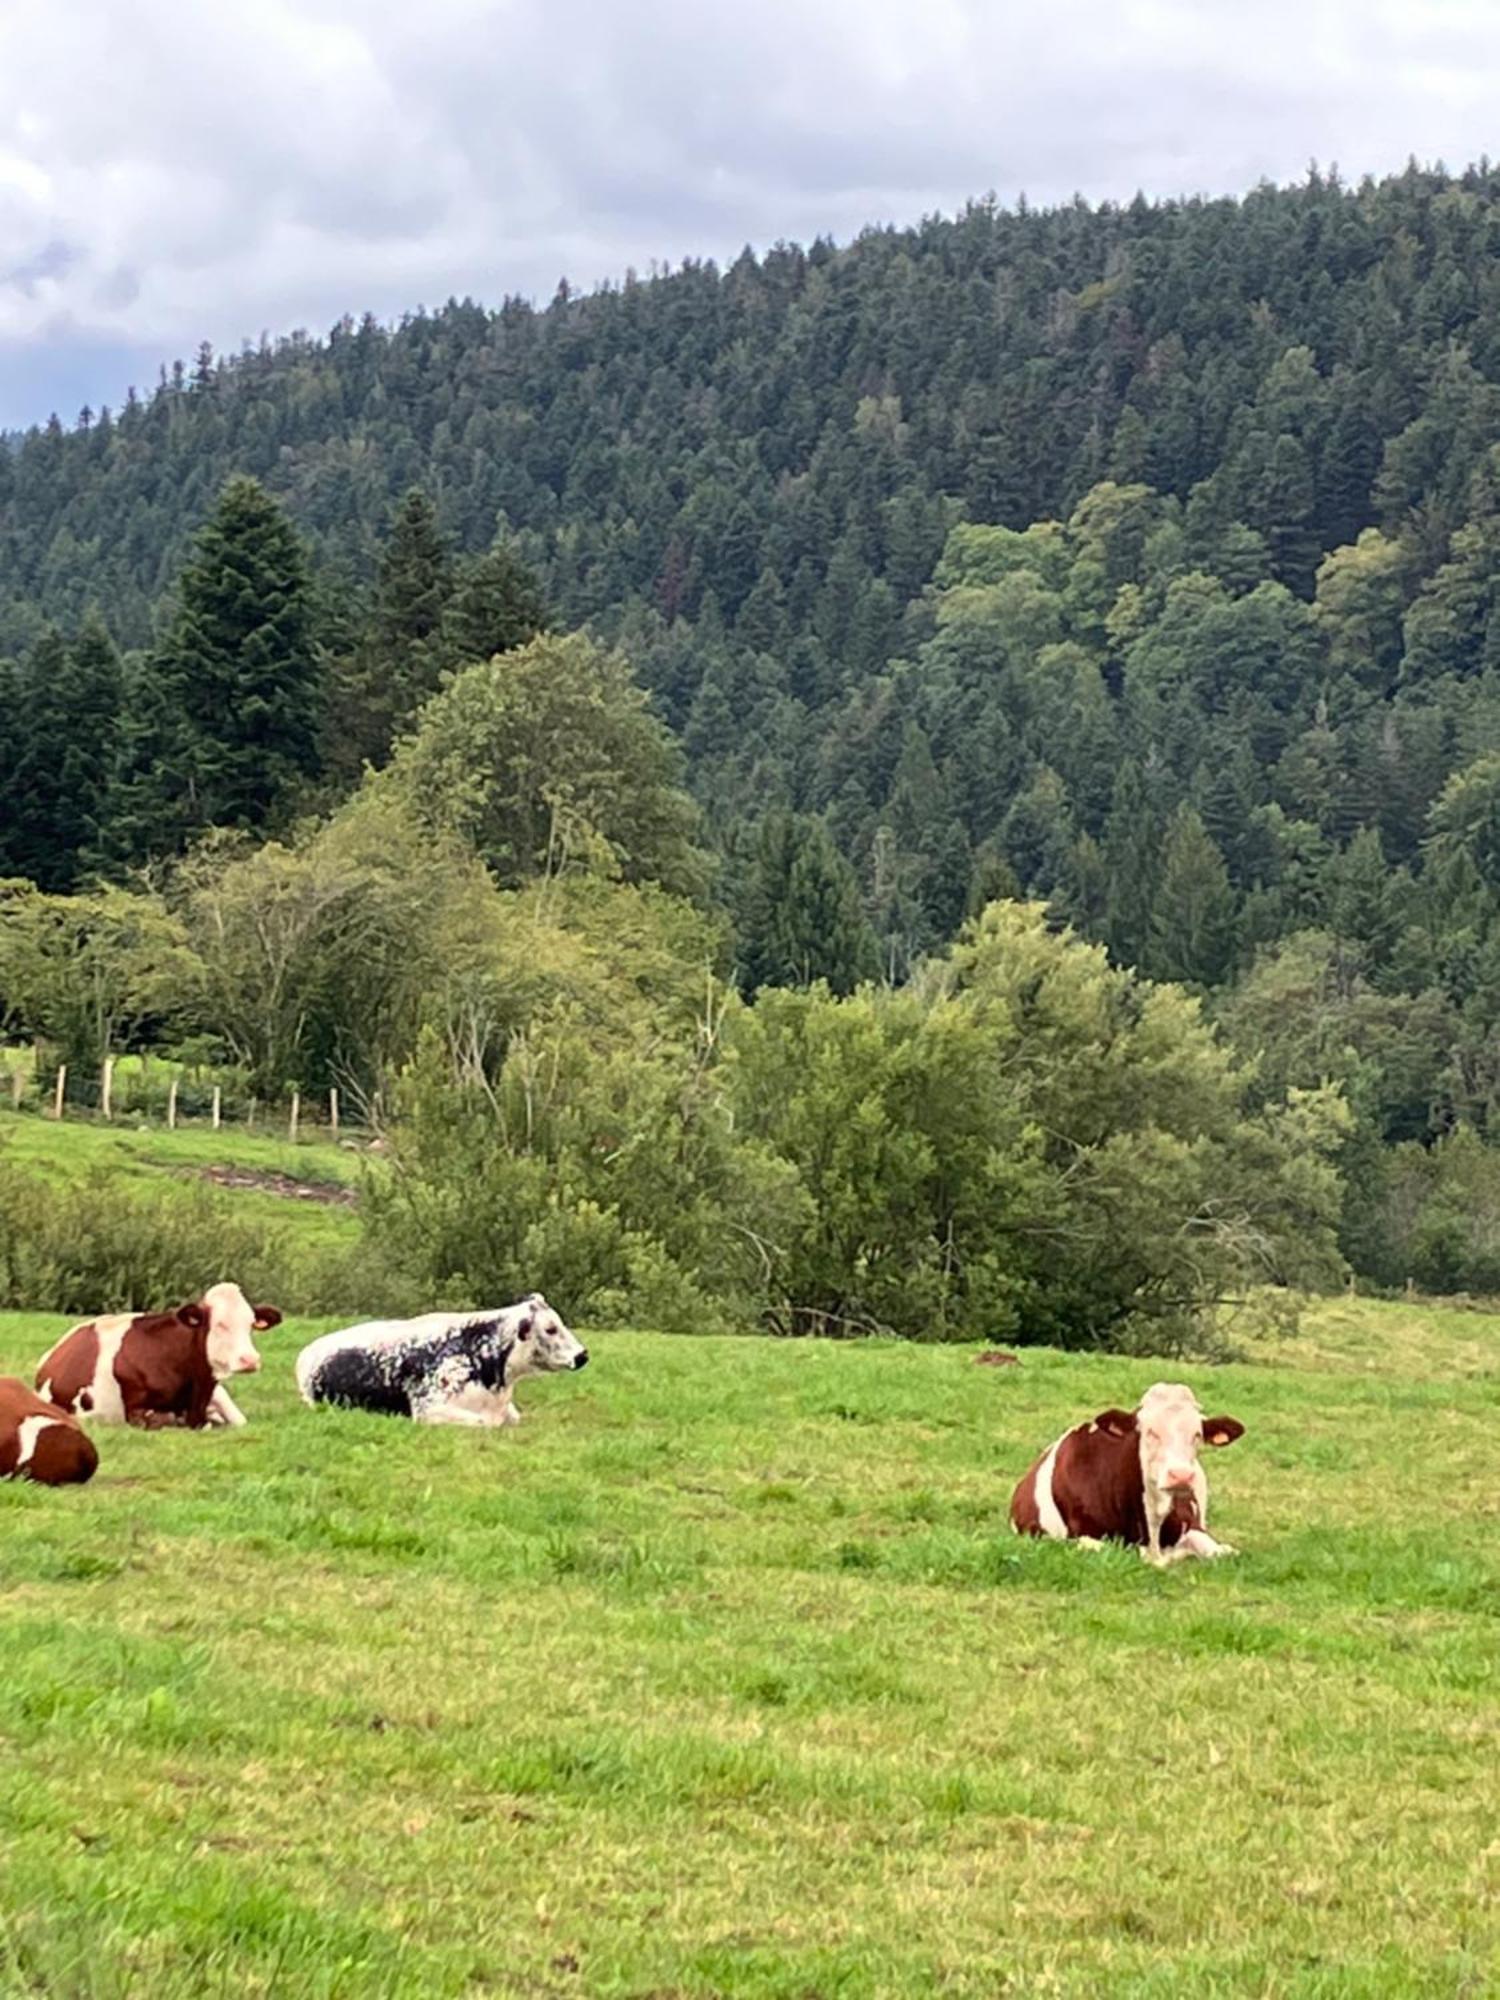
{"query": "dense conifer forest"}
[(1138, 561)]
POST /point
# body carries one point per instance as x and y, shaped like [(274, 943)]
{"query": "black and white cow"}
[(444, 1368)]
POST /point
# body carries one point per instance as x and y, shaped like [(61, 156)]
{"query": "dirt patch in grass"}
[(263, 1182)]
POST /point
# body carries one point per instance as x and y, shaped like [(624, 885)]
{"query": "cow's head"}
[(232, 1322), (542, 1341), (1172, 1432)]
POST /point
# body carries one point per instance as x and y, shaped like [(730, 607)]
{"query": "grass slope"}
[(722, 1676), (145, 1154)]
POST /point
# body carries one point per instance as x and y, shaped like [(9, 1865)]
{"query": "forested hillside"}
[(1142, 561)]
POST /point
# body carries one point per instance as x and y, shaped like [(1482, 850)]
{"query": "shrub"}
[(99, 1245)]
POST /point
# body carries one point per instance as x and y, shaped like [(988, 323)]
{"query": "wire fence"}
[(134, 1092)]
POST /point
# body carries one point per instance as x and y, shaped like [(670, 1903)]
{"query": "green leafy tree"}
[(547, 760)]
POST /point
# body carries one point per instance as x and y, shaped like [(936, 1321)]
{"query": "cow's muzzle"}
[(581, 1358)]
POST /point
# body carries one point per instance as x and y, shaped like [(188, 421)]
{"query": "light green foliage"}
[(88, 974), (1025, 1142), (723, 1678), (566, 1126), (318, 958), (1361, 596), (547, 760), (95, 1217)]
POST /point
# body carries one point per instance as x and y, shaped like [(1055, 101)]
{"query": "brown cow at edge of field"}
[(41, 1442), (156, 1370), (1129, 1476)]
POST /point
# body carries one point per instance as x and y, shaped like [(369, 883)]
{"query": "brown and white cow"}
[(1129, 1476), (39, 1441), (159, 1369)]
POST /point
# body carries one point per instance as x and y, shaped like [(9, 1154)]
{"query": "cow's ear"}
[(1114, 1423), (265, 1318), (523, 1331), (193, 1316), (1222, 1430)]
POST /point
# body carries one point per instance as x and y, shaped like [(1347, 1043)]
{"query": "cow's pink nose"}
[(1179, 1476), (251, 1366)]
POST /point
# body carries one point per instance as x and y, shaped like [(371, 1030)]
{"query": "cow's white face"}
[(543, 1343), (1173, 1430), (232, 1324)]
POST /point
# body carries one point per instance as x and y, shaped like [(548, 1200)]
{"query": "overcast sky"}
[(171, 173)]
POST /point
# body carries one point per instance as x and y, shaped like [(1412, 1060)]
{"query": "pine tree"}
[(1192, 918), (228, 709), (416, 576), (66, 705), (802, 917), (496, 605)]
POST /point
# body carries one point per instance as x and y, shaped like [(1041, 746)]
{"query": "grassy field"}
[(146, 1154), (723, 1676)]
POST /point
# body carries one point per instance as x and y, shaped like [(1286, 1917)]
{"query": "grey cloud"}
[(169, 176)]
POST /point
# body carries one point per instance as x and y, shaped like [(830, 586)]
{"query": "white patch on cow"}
[(29, 1430), (1049, 1515), (100, 1399), (1171, 1428)]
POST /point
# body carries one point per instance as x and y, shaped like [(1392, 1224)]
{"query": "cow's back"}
[(78, 1374), (1087, 1484), (386, 1365), (40, 1441)]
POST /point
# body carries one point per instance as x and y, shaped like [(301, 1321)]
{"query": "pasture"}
[(722, 1675)]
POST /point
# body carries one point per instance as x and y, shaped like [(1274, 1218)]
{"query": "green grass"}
[(723, 1676), (143, 1155)]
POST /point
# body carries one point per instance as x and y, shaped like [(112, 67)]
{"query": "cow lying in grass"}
[(444, 1368), (1129, 1477), (156, 1370), (41, 1442)]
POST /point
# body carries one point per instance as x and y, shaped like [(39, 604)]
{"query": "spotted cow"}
[(40, 1441), (443, 1368), (1129, 1476), (156, 1370)]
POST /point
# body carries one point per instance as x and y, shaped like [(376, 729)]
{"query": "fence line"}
[(123, 1102)]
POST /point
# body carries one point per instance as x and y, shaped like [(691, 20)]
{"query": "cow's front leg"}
[(509, 1414), (1199, 1542), (1195, 1545), (223, 1410), (442, 1410)]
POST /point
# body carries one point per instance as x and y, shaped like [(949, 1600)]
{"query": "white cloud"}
[(171, 174)]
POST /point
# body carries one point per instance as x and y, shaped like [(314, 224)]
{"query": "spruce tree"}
[(225, 713), (496, 605), (398, 663), (65, 709), (1192, 920), (802, 918), (243, 656)]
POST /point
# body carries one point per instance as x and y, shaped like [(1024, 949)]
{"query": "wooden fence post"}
[(333, 1113), (217, 1101), (296, 1109), (61, 1091), (107, 1085), (17, 1084), (172, 1105)]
